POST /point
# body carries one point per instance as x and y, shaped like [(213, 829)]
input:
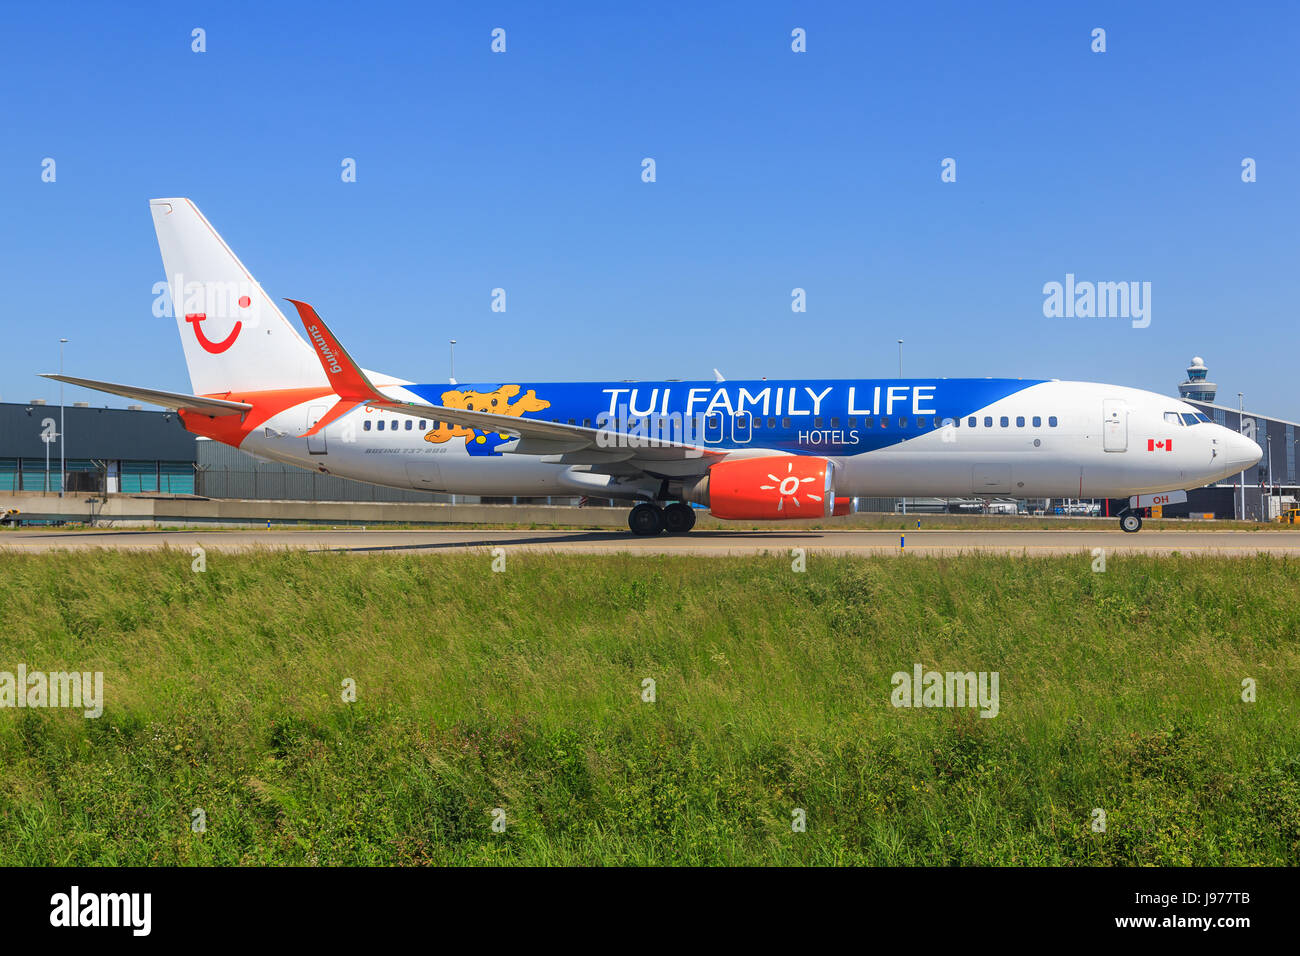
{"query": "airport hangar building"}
[(134, 451)]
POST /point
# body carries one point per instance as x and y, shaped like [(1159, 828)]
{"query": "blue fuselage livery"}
[(821, 416), (756, 450)]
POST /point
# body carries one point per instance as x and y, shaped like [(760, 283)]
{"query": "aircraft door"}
[(1114, 425), (741, 425), (991, 479), (316, 443), (712, 428), (424, 475)]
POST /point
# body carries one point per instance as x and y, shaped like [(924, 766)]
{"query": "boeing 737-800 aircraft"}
[(748, 450)]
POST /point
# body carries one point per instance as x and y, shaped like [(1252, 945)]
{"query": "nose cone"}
[(1239, 452)]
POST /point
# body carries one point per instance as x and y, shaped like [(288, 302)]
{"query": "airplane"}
[(748, 450)]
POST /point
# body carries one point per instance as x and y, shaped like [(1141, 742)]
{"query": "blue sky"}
[(775, 170)]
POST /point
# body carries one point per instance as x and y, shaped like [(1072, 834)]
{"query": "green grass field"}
[(522, 690)]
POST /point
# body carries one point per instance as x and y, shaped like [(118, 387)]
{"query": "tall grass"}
[(1120, 691)]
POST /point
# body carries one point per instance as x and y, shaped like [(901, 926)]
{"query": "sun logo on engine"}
[(788, 487)]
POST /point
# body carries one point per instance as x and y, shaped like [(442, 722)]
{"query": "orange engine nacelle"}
[(770, 489)]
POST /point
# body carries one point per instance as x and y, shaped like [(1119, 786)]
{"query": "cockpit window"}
[(1172, 418), (1205, 419), (1189, 419)]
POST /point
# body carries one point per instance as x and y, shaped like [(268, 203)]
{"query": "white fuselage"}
[(1046, 439)]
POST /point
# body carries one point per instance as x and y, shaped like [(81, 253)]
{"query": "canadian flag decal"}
[(1166, 445)]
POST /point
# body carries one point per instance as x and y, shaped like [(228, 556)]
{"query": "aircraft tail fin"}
[(235, 338)]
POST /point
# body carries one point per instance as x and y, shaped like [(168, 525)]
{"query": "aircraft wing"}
[(564, 444), (569, 444), (174, 400)]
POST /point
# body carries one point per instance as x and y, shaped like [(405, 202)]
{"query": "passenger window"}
[(586, 423), (366, 426), (1020, 421), (758, 423), (817, 423), (715, 421), (423, 424), (970, 422), (785, 423), (902, 422), (1038, 421), (1051, 421), (380, 425), (771, 423), (853, 423), (409, 424), (988, 421), (884, 422), (572, 422), (835, 423), (1004, 421)]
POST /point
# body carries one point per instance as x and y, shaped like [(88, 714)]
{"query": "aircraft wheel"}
[(1131, 522), (645, 519), (679, 518)]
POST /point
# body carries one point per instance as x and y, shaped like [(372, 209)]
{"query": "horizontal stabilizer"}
[(178, 401)]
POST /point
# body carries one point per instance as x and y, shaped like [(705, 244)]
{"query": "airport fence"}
[(275, 482)]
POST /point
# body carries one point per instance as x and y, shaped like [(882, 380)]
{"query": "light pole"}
[(1241, 427), (1268, 443), (63, 459)]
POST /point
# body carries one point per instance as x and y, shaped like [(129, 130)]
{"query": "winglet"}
[(344, 375)]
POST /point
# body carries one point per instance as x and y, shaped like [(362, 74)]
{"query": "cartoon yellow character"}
[(497, 402)]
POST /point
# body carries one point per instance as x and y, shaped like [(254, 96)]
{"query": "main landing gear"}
[(648, 520), (1130, 521)]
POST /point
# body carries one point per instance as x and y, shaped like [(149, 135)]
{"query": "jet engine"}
[(774, 488)]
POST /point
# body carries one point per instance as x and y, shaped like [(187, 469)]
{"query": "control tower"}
[(1196, 388)]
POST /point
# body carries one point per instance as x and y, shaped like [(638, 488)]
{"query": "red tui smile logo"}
[(216, 348)]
